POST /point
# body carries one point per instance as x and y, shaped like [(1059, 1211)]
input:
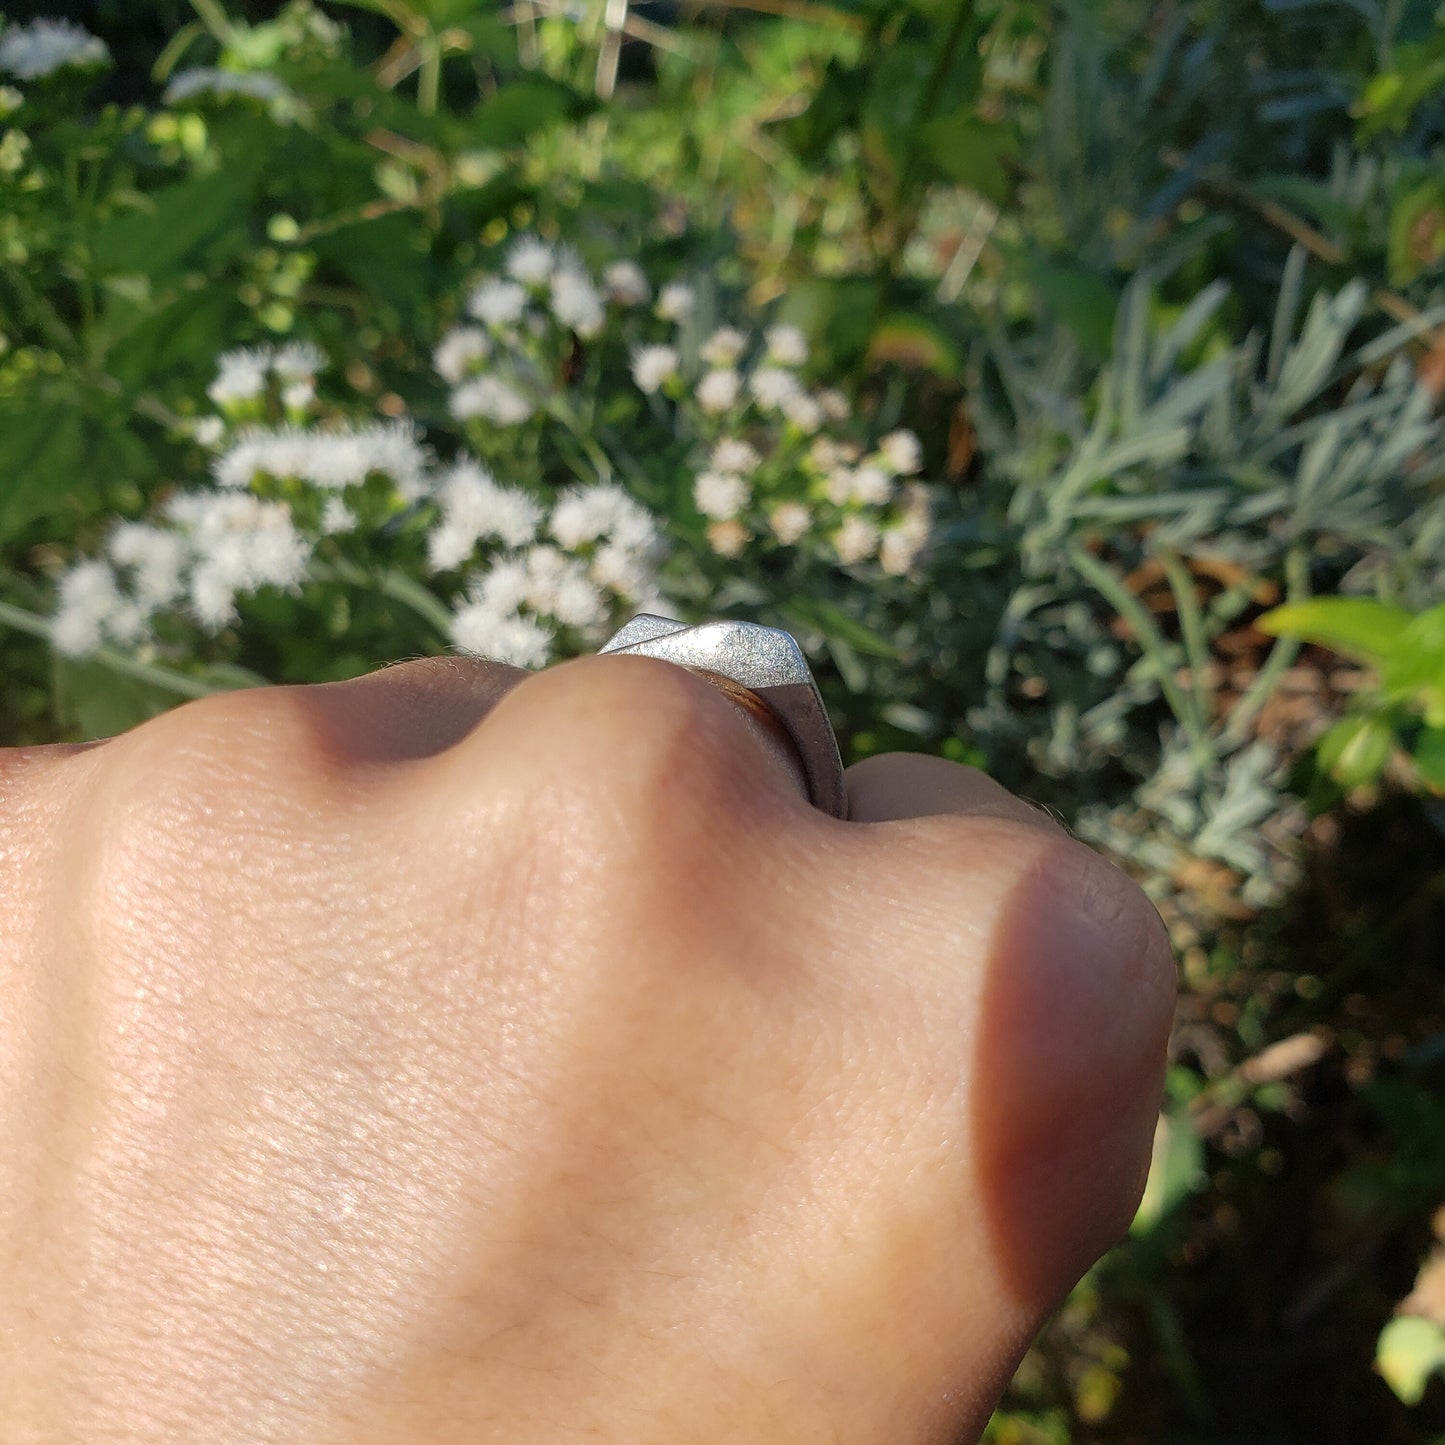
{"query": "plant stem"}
[(905, 216), (429, 81), (962, 19), (390, 584), (1281, 655), (1152, 644), (183, 684), (1191, 624)]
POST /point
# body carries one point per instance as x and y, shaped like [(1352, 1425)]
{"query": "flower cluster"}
[(33, 51), (589, 565), (524, 545), (245, 377), (501, 368), (517, 577), (204, 551), (778, 463)]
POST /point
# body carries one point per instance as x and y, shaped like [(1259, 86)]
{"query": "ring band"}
[(769, 668)]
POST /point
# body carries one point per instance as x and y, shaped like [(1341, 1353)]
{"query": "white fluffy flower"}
[(156, 557), (587, 514), (483, 632), (626, 283), (208, 430), (298, 395), (492, 399), (718, 391), (723, 347), (44, 46), (803, 412), (824, 453), (205, 80), (838, 485), (771, 386), (336, 517), (279, 554), (502, 589), (558, 586), (240, 375), (870, 486), (620, 570), (577, 602), (901, 452), (835, 404), (530, 261), (903, 542), (652, 366), (720, 494), (88, 596), (458, 352), (675, 301), (297, 361), (576, 303), (473, 506), (326, 459), (212, 597), (787, 346), (899, 549), (240, 543), (790, 521), (732, 454), (855, 541), (581, 516), (497, 303), (727, 538)]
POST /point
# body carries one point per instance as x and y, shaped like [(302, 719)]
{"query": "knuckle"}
[(637, 741), (199, 780)]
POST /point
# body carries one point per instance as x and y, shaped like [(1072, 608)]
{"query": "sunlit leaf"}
[(1359, 627), (1410, 1350)]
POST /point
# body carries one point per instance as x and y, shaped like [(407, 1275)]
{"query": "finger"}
[(910, 785), (602, 745), (1044, 989)]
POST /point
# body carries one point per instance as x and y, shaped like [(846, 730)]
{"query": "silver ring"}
[(769, 664)]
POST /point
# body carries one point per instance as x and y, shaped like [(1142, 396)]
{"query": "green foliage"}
[(1404, 710), (1410, 1351)]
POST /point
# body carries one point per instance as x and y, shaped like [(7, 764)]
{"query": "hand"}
[(461, 1055)]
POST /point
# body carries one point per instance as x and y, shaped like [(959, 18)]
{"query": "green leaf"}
[(1176, 1171), (178, 222), (831, 620), (1417, 232), (973, 152), (1428, 755), (1416, 670), (522, 108), (1355, 750), (91, 701), (384, 257), (1409, 1351), (914, 342), (1389, 99), (1083, 300), (834, 109), (1357, 627), (39, 443)]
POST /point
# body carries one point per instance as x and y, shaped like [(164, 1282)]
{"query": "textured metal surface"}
[(770, 664)]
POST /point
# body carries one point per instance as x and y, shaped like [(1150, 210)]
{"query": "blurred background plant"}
[(1068, 379)]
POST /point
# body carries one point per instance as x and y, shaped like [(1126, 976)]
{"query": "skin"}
[(464, 1055)]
